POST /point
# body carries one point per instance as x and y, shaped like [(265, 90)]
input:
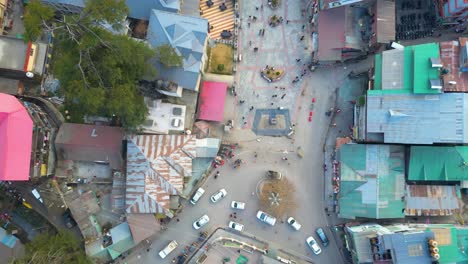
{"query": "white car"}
[(197, 196), (313, 245), (266, 218), (168, 249), (201, 222), (238, 205), (236, 226), (292, 222), (217, 196)]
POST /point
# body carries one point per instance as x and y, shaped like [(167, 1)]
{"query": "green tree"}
[(168, 56), (54, 249), (98, 71)]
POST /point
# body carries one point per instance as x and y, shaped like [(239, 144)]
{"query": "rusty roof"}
[(450, 56), (156, 167), (83, 207), (385, 21), (432, 200)]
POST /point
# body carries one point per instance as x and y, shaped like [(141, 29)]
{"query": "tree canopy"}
[(54, 249), (168, 56), (98, 70)]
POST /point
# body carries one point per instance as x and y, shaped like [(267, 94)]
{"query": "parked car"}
[(276, 175), (168, 249), (266, 218), (219, 195), (198, 194), (68, 219), (236, 226), (293, 223), (238, 205), (313, 245), (322, 236), (201, 222)]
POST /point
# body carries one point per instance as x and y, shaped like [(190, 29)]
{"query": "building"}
[(413, 119), (112, 244), (350, 29), (438, 164), (415, 69), (452, 11), (90, 143), (3, 13), (372, 181), (66, 6), (10, 246), (141, 9), (432, 200), (16, 131), (453, 55), (211, 101), (164, 117), (20, 60), (407, 244), (157, 167), (188, 36)]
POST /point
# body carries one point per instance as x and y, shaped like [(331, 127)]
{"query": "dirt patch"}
[(221, 59)]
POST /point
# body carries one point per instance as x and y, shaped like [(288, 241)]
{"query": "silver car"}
[(313, 245), (266, 218), (219, 195), (201, 222)]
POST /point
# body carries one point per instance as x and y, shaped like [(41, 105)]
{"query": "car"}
[(218, 196), (168, 249), (313, 245), (322, 236), (236, 226), (293, 223), (238, 205), (266, 218), (197, 196), (275, 175), (201, 222)]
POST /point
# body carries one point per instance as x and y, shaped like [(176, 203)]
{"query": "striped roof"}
[(156, 167)]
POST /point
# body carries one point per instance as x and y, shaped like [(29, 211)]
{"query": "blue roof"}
[(6, 239), (141, 9), (187, 35), (418, 119), (122, 240), (407, 248), (79, 3)]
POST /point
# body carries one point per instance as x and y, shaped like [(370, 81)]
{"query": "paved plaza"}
[(279, 47)]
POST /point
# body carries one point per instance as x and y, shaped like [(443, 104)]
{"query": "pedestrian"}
[(287, 22), (260, 32), (271, 104), (245, 123), (178, 220), (298, 60), (216, 176), (230, 216), (243, 117), (303, 26), (261, 7), (334, 124), (256, 8), (283, 96), (255, 154), (248, 24), (302, 38)]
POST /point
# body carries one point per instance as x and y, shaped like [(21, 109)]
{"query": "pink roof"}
[(331, 34), (211, 101), (15, 139)]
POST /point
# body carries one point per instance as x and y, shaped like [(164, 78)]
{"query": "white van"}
[(197, 196), (168, 249)]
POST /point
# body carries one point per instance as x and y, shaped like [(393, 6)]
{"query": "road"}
[(279, 47)]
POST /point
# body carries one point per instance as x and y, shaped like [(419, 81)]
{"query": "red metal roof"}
[(331, 34), (15, 139), (211, 101), (450, 57)]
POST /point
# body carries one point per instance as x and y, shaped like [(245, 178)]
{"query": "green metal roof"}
[(433, 163), (453, 251), (371, 181), (423, 71), (417, 71)]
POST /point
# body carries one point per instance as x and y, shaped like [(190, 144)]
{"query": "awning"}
[(211, 101)]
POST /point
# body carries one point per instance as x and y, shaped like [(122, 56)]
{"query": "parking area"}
[(415, 19)]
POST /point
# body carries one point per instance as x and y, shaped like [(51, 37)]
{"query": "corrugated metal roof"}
[(393, 63), (331, 34), (432, 200), (450, 56), (156, 167), (407, 248), (437, 163), (418, 119), (372, 181), (385, 21)]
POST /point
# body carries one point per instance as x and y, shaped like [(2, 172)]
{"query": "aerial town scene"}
[(234, 131)]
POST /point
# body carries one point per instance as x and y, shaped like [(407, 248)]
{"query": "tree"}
[(168, 56), (54, 249), (277, 197), (98, 71)]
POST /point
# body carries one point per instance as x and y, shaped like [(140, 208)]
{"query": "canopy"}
[(211, 101), (15, 139)]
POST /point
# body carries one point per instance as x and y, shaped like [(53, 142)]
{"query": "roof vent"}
[(435, 62), (436, 84), (93, 133)]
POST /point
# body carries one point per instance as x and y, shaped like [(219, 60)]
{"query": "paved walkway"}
[(219, 20)]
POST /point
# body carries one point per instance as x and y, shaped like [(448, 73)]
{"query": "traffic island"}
[(274, 4), (274, 20), (272, 74), (272, 122)]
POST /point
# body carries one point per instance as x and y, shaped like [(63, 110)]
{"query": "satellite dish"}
[(29, 74)]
